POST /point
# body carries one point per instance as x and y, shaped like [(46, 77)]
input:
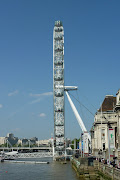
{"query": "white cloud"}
[(35, 101), (42, 94), (1, 105), (42, 115), (39, 96), (13, 93)]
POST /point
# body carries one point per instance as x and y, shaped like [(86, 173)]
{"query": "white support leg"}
[(77, 115)]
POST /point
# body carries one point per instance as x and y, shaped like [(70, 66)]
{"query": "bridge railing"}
[(22, 148), (29, 155)]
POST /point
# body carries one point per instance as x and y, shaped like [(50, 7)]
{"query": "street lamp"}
[(109, 126)]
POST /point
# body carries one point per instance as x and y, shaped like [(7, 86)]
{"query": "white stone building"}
[(117, 110), (45, 142), (2, 140), (105, 132)]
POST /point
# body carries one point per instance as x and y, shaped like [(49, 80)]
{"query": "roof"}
[(108, 103)]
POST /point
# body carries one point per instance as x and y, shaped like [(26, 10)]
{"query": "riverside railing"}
[(110, 171)]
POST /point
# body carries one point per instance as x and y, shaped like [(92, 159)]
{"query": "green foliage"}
[(26, 145), (4, 145), (77, 141), (72, 146), (15, 145)]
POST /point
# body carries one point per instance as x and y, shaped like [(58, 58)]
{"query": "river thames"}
[(52, 171)]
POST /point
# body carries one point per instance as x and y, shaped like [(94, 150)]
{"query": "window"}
[(103, 134), (103, 146)]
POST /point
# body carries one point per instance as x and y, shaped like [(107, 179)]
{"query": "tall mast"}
[(58, 92)]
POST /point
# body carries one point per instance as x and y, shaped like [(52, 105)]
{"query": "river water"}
[(52, 171)]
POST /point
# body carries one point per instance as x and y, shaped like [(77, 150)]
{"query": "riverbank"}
[(86, 169)]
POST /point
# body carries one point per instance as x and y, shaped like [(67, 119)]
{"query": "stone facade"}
[(107, 120), (2, 140), (117, 110)]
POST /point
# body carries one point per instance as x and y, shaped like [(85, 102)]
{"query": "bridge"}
[(31, 155), (28, 155), (30, 149)]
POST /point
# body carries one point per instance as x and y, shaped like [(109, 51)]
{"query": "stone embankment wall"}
[(95, 171), (83, 170), (107, 172)]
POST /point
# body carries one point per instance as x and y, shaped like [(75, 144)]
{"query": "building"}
[(28, 142), (19, 142), (45, 142), (2, 140), (117, 110), (105, 132), (23, 142), (11, 140), (33, 141)]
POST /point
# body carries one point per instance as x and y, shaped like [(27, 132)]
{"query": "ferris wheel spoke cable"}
[(82, 104), (88, 100), (82, 114)]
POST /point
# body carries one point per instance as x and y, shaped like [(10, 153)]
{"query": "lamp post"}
[(109, 126)]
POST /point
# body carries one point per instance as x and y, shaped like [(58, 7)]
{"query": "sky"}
[(92, 62)]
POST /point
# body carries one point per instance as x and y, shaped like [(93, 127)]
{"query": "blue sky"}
[(92, 62)]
